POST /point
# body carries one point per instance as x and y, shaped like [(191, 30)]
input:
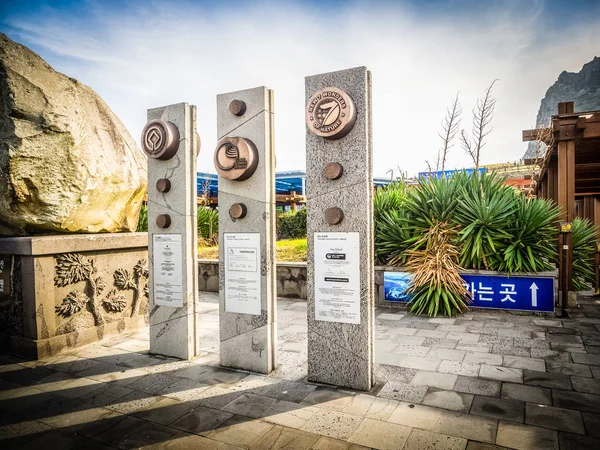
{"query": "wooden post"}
[(293, 202), (552, 183)]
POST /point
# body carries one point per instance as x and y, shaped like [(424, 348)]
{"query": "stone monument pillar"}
[(245, 161), (171, 143), (339, 184)]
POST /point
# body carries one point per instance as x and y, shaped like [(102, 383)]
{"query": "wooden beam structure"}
[(569, 170)]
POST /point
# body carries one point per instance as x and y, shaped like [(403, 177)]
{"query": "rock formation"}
[(67, 163), (582, 87)]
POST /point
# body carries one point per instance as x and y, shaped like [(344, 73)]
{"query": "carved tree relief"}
[(124, 280), (73, 268)]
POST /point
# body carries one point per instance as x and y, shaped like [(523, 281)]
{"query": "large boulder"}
[(67, 163)]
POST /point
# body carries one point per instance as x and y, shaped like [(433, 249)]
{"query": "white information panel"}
[(167, 262), (242, 272), (337, 277)]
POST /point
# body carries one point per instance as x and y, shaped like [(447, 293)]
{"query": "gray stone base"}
[(66, 291), (42, 348)]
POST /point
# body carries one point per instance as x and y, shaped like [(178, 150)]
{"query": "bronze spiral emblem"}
[(236, 158), (160, 139)]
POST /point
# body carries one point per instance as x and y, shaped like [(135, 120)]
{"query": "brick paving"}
[(483, 380)]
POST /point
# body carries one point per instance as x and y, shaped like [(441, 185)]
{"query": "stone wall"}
[(68, 291)]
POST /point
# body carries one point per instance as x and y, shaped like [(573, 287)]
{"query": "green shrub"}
[(584, 247), (208, 225), (478, 218), (292, 225), (142, 225)]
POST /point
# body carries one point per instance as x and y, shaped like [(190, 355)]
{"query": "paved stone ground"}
[(482, 381)]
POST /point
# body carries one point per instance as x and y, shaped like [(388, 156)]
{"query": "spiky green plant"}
[(389, 198), (434, 200), (584, 240), (436, 285), (483, 214), (532, 243), (208, 225), (393, 237)]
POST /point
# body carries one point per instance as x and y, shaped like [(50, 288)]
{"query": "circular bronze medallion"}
[(238, 211), (333, 171), (236, 158), (330, 113), (160, 139), (163, 221), (237, 107), (163, 185), (334, 216)]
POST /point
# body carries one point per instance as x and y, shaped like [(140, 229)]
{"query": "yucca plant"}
[(584, 240), (389, 198), (208, 225), (434, 200), (393, 236), (484, 213), (532, 243), (436, 285)]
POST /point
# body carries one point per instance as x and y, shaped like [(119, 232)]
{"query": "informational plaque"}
[(242, 273), (337, 277), (167, 260)]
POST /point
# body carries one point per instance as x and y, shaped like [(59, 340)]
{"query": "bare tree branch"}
[(482, 117), (450, 126)]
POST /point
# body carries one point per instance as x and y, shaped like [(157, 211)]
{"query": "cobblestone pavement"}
[(484, 380)]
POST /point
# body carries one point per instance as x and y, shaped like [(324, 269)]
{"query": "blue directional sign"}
[(488, 291)]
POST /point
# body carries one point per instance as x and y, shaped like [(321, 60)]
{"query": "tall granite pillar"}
[(171, 143), (245, 161), (340, 285)]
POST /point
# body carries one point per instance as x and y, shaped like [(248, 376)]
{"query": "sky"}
[(143, 54)]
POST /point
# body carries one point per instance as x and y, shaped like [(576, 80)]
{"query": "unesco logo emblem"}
[(160, 139), (330, 113)]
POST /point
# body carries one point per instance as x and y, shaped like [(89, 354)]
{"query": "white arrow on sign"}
[(534, 290)]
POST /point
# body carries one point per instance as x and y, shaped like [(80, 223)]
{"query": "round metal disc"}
[(160, 139), (163, 221), (235, 158), (334, 216), (238, 211), (330, 113)]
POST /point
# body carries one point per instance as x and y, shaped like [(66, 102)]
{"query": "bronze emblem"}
[(160, 139), (236, 158), (330, 113), (334, 216), (238, 211)]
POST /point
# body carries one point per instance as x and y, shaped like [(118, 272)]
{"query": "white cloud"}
[(155, 54)]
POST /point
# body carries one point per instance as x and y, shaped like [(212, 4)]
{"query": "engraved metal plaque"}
[(236, 158), (330, 113), (160, 139)]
